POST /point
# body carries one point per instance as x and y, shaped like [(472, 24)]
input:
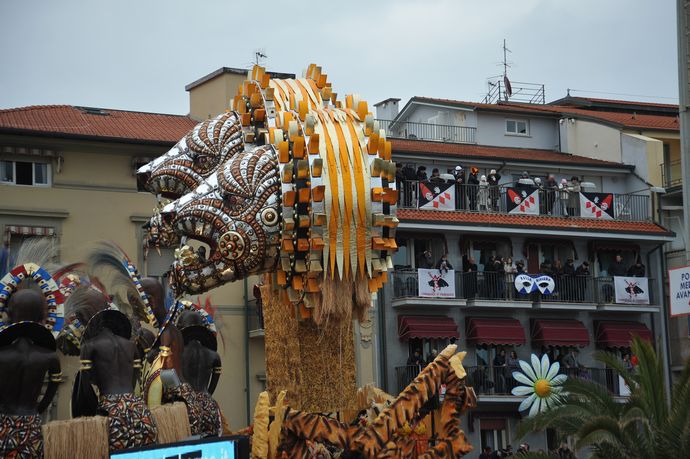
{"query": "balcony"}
[(427, 131), (496, 199), (491, 289), (671, 174), (490, 381)]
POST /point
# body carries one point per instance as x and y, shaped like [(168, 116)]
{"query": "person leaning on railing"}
[(460, 192), (494, 191)]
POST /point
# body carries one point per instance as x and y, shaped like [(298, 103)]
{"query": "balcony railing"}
[(496, 199), (428, 131), (498, 286), (489, 380), (671, 174)]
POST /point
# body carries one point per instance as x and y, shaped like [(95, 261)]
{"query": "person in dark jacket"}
[(443, 264), (637, 270), (494, 191), (408, 188), (568, 280), (472, 187), (470, 278), (460, 188), (617, 268), (426, 261), (421, 173), (581, 275), (436, 176), (551, 187)]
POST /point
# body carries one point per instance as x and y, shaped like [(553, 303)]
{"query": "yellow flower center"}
[(542, 388)]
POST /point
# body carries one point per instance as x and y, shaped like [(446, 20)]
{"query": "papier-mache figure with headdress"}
[(30, 315), (110, 362)]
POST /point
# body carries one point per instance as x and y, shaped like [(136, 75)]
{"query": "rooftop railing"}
[(498, 286), (428, 131), (501, 199)]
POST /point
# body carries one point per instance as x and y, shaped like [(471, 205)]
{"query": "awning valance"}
[(427, 327), (11, 230), (494, 331), (620, 334), (559, 333)]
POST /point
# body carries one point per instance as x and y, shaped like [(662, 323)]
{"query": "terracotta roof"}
[(98, 124), (522, 108), (626, 120), (597, 100), (531, 221), (621, 119), (498, 153)]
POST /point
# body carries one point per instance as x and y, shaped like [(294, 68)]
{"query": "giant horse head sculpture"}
[(313, 197)]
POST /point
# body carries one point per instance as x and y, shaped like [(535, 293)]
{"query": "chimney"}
[(387, 109)]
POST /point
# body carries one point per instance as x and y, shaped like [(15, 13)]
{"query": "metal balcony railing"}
[(489, 380), (498, 286), (428, 131), (496, 199), (671, 174)]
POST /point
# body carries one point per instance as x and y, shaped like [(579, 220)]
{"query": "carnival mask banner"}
[(525, 283), (434, 283), (436, 196), (596, 205), (524, 201), (631, 290)]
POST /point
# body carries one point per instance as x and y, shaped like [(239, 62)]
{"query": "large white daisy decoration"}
[(542, 384)]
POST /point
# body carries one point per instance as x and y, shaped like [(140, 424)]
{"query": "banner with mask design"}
[(434, 283), (525, 284), (631, 290)]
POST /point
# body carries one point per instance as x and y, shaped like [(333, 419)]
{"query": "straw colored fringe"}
[(362, 299), (172, 422), (327, 361), (336, 301), (283, 369), (81, 438)]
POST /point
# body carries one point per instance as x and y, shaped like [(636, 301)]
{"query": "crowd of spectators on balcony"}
[(572, 283), (483, 192)]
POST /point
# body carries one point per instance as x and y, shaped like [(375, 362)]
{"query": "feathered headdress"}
[(111, 264)]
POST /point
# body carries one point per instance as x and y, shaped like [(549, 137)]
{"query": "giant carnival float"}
[(290, 185)]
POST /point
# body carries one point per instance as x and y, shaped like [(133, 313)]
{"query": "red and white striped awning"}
[(28, 231)]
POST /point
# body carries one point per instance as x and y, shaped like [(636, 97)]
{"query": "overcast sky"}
[(139, 54)]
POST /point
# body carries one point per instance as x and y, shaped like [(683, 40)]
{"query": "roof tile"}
[(122, 125), (626, 120), (500, 153)]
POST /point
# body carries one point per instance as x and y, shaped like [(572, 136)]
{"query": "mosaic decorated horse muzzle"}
[(236, 214)]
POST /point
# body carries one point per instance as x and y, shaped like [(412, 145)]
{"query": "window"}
[(137, 164), (426, 345), (24, 173), (517, 127)]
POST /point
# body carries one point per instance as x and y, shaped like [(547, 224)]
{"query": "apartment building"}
[(606, 208)]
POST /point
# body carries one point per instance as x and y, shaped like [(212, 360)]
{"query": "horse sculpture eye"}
[(234, 200)]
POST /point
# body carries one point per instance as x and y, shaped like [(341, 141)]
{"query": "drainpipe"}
[(246, 352), (383, 352), (668, 377)]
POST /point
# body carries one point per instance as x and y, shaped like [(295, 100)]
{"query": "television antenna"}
[(259, 55)]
